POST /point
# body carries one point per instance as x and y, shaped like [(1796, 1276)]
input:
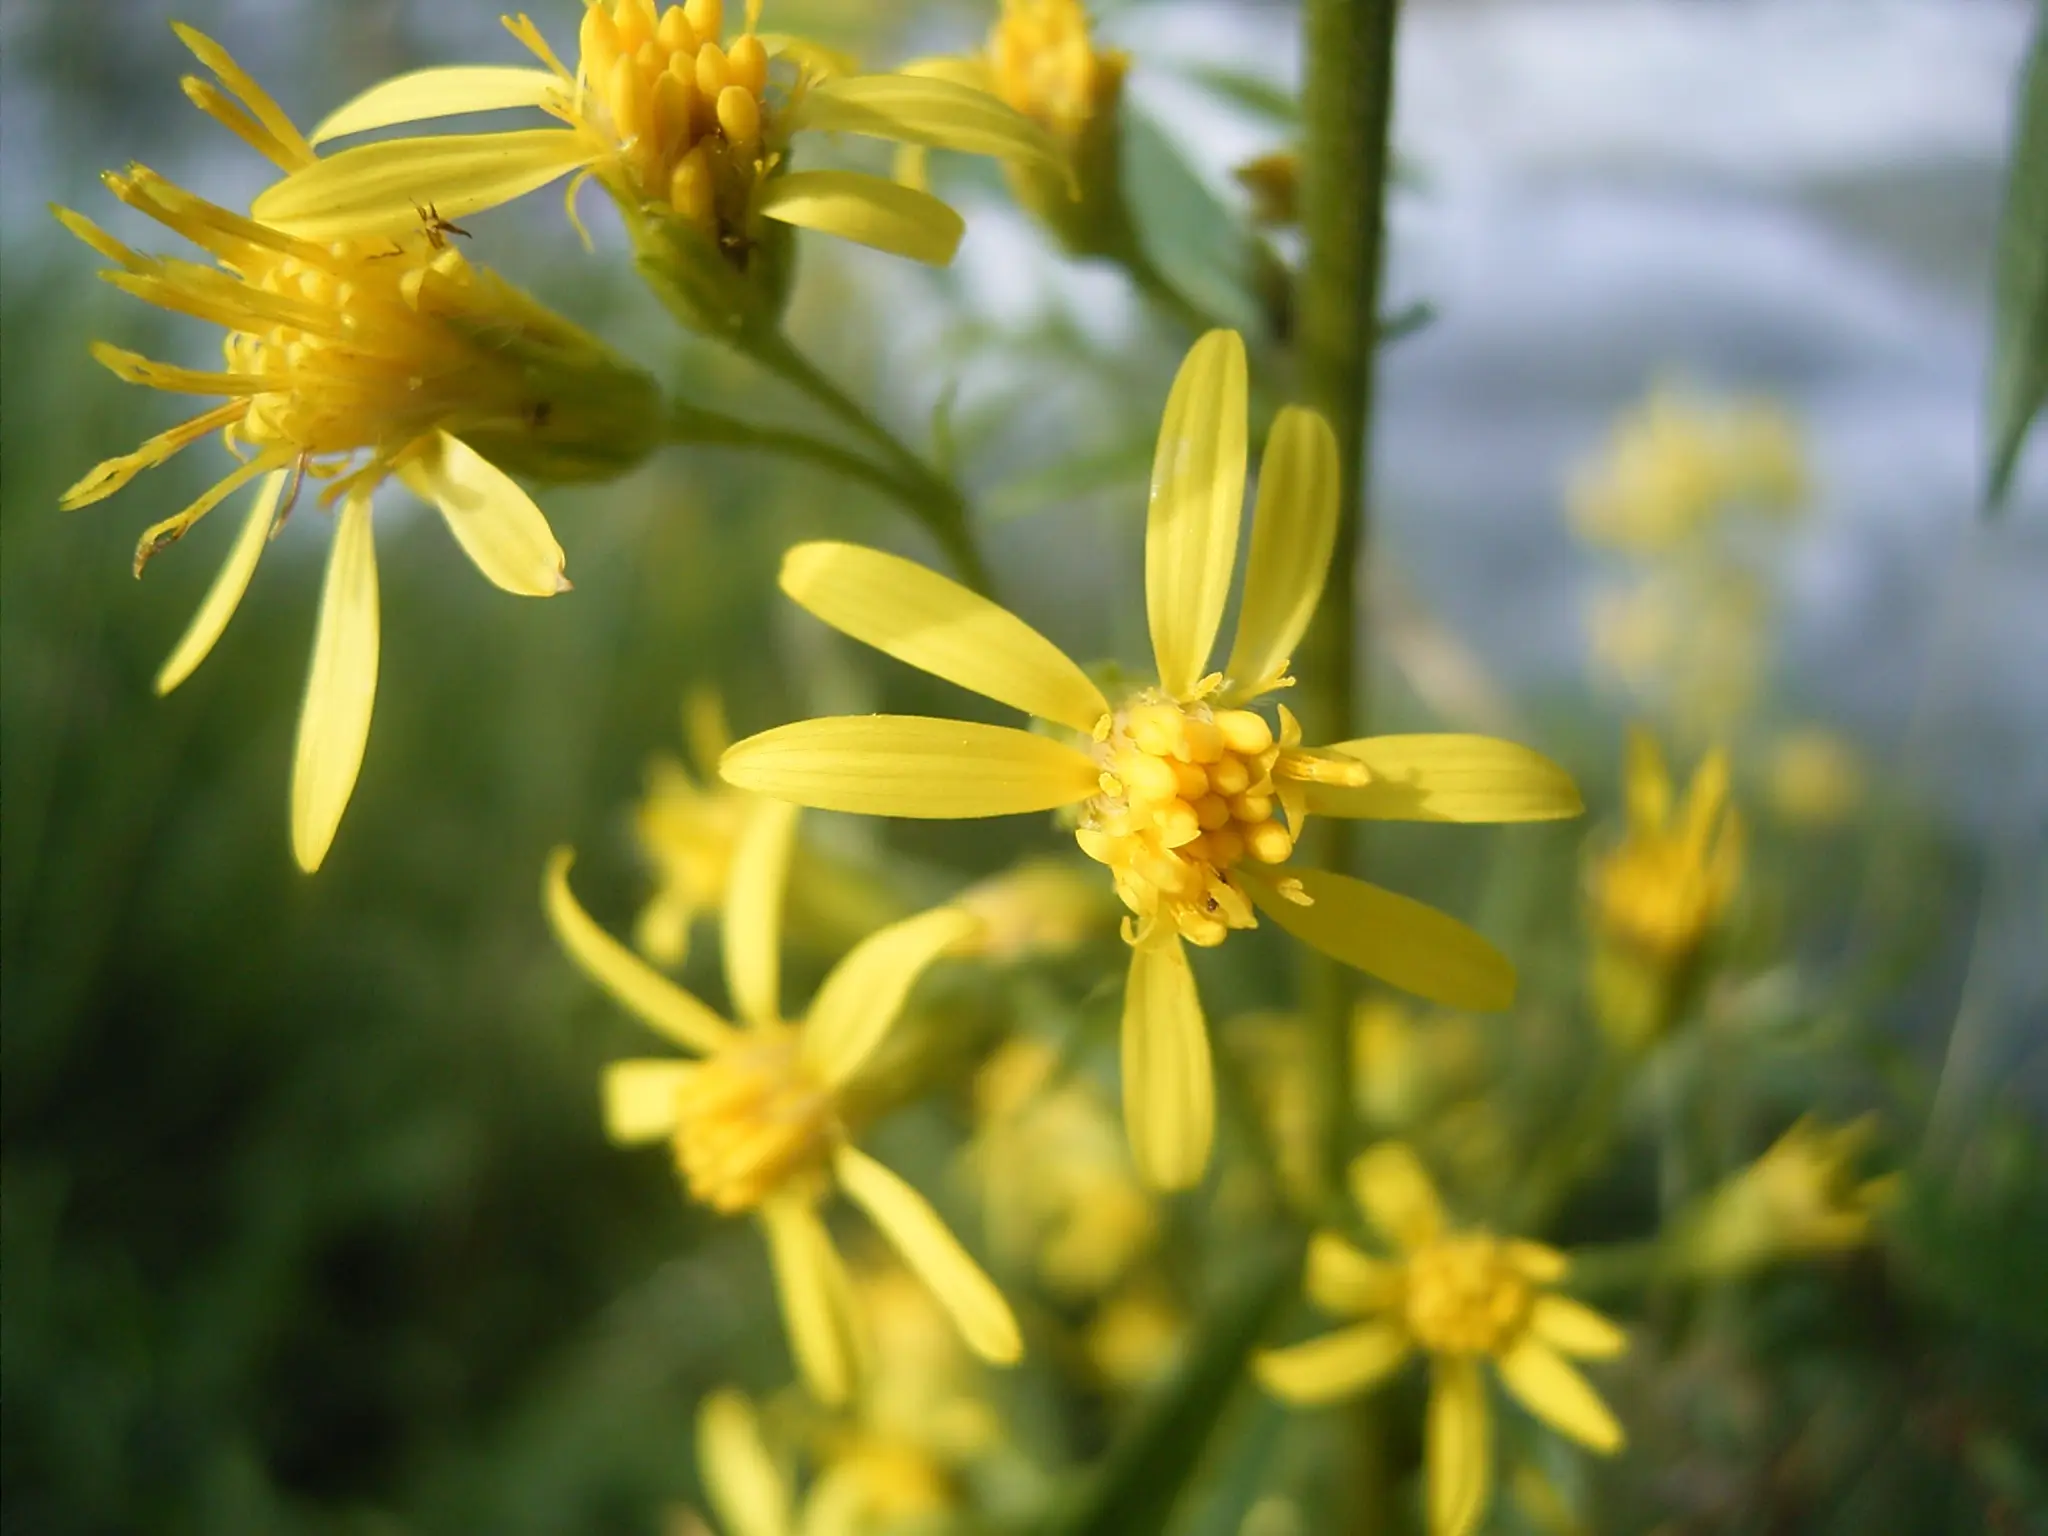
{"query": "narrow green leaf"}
[(1185, 228), (1134, 1489), (2019, 345)]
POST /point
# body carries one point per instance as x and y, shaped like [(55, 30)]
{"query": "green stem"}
[(929, 495), (1580, 1145), (691, 426), (1346, 111)]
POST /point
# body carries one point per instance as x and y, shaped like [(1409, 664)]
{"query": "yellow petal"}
[(1394, 1190), (1337, 1365), (926, 109), (1196, 502), (292, 148), (380, 189), (862, 996), (334, 722), (817, 1298), (1557, 1394), (225, 595), (937, 625), (1341, 1279), (1169, 1085), (640, 1099), (752, 924), (868, 210), (745, 1490), (914, 1229), (909, 765), (1404, 943), (1459, 1446), (1646, 782), (1575, 1328), (662, 1004), (423, 94), (817, 61), (504, 534), (1293, 529), (1537, 1261), (1449, 778)]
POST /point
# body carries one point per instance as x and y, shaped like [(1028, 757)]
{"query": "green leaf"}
[(2019, 346), (1257, 95), (1134, 1488), (1186, 229)]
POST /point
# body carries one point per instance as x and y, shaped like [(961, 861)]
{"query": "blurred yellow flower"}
[(1459, 1297), (755, 1124), (1055, 1177), (1044, 907), (1136, 1334), (687, 830), (1675, 872), (1043, 62), (1274, 182), (674, 119), (1816, 778), (748, 1492), (1179, 788), (351, 360), (1801, 1198), (1677, 462), (1405, 1066)]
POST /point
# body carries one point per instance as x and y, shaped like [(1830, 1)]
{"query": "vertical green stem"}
[(1346, 111)]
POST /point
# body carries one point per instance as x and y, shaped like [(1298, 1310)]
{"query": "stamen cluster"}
[(1044, 64), (686, 113), (1187, 791), (1464, 1296), (752, 1120)]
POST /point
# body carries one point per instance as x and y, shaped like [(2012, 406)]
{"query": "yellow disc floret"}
[(686, 112), (1044, 64), (1186, 792), (1465, 1297), (751, 1121)]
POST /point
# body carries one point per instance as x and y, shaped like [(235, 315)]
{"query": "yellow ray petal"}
[(752, 926), (1196, 502), (1169, 1085), (245, 89), (909, 765), (868, 210), (1337, 1365), (379, 189), (1394, 1190), (1449, 778), (816, 1298), (865, 991), (1404, 943), (1459, 1446), (225, 595), (914, 1229), (741, 1481), (504, 534), (1557, 1394), (929, 110), (640, 1099), (1646, 782), (662, 1004), (937, 625), (1575, 1328), (1537, 1261), (1341, 1279), (430, 93), (1293, 529), (175, 527), (334, 721)]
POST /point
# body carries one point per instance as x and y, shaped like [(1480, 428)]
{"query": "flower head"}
[(1662, 889), (348, 361), (687, 829), (1189, 797), (690, 130), (1801, 1198), (754, 1123), (1460, 1297)]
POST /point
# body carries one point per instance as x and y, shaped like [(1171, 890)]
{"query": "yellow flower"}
[(677, 121), (1676, 463), (1136, 1334), (1460, 1297), (1672, 877), (1055, 1178), (755, 1125), (349, 361), (1801, 1198), (1816, 778), (687, 830), (1178, 788), (1042, 908)]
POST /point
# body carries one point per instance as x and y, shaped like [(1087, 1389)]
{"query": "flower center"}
[(1043, 64), (684, 113), (1187, 791), (750, 1121), (1465, 1298)]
